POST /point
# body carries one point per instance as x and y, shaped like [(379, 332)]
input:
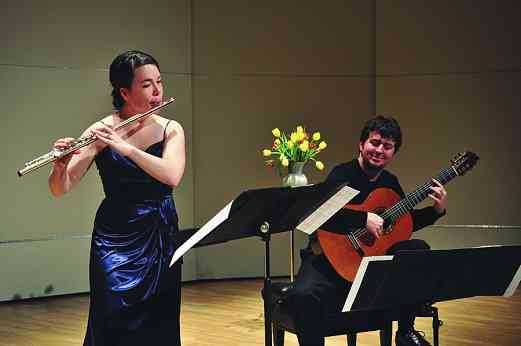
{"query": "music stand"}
[(263, 212), (438, 275)]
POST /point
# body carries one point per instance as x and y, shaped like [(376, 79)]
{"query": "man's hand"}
[(374, 225), (439, 196)]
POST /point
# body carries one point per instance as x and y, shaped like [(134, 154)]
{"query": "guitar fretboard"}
[(413, 198)]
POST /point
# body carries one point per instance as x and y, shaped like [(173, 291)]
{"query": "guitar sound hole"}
[(387, 230), (368, 239)]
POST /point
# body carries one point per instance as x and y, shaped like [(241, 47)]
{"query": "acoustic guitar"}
[(345, 251)]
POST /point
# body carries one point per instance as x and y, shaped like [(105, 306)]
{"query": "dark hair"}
[(121, 72), (387, 127)]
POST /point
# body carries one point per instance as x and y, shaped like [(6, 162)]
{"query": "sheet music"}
[(202, 232), (327, 209), (353, 292)]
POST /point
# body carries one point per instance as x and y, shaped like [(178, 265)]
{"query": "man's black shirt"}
[(352, 174)]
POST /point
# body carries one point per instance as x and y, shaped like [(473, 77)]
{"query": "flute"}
[(57, 154)]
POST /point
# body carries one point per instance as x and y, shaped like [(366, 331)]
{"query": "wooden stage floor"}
[(229, 312)]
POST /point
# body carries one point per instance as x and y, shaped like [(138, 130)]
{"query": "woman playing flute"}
[(135, 296)]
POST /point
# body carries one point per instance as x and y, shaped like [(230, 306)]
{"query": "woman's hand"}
[(60, 145), (108, 136)]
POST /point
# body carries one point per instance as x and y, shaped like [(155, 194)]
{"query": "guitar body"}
[(340, 251)]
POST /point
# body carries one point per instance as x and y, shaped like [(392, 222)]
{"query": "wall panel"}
[(66, 34), (447, 36), (234, 126), (54, 72), (282, 37)]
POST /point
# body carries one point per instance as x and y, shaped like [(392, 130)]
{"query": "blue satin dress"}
[(135, 296)]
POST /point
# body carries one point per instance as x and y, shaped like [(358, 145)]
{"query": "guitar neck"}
[(413, 198)]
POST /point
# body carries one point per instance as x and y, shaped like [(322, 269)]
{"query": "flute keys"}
[(56, 152)]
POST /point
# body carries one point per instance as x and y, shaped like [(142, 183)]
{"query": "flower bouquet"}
[(294, 150)]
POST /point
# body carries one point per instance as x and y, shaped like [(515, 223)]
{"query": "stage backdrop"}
[(449, 71)]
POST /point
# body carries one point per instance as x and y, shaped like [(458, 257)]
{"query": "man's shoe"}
[(411, 338)]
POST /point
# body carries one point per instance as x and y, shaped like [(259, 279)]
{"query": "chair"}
[(349, 323)]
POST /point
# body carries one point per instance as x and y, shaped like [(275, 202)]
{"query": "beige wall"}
[(451, 71), (54, 72), (260, 66), (448, 70)]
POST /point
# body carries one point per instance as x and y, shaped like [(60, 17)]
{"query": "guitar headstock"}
[(463, 162)]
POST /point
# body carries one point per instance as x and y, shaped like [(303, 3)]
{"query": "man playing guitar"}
[(318, 287)]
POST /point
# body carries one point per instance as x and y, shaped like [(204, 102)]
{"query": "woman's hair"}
[(387, 127), (121, 72)]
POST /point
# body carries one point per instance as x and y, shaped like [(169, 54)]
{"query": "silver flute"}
[(57, 154)]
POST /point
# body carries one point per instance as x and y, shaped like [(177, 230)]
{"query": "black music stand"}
[(263, 212), (438, 275)]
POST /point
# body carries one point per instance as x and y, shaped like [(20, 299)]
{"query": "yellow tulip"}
[(285, 162), (322, 145), (300, 129), (319, 165), (290, 144), (266, 152), (301, 136), (277, 141), (304, 146), (276, 132), (294, 137), (316, 136)]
